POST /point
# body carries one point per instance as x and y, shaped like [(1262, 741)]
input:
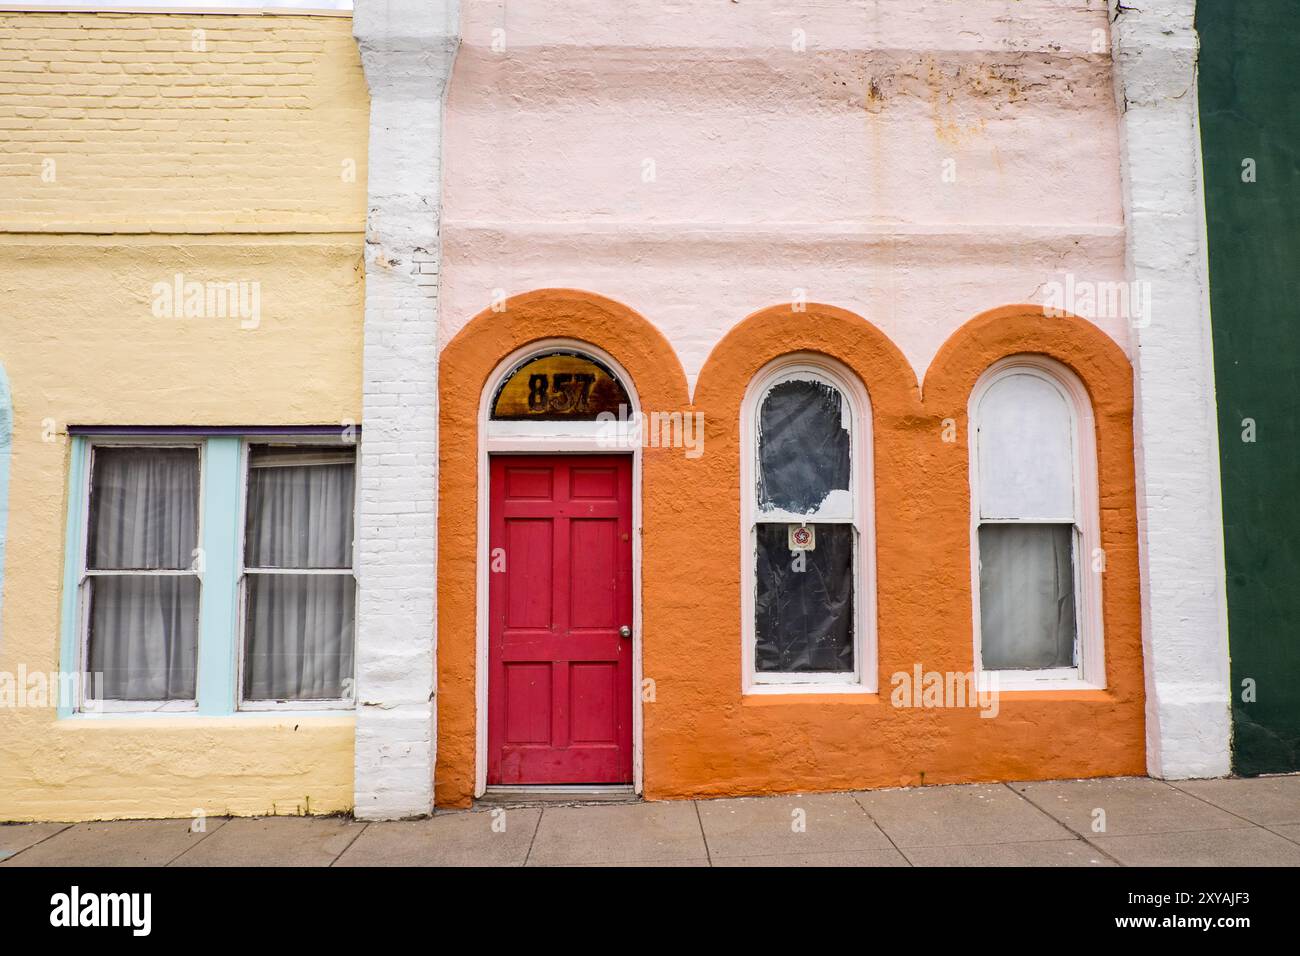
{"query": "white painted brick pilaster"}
[(1184, 606), (407, 49)]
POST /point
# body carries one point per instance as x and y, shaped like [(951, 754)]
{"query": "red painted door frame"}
[(560, 589)]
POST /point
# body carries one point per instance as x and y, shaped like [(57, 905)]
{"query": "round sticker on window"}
[(802, 538)]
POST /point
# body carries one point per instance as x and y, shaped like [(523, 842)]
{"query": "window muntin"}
[(1034, 527), (299, 606), (140, 585), (805, 602)]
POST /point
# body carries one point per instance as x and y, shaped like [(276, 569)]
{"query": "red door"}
[(560, 671)]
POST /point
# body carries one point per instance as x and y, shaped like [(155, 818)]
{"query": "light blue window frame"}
[(221, 491)]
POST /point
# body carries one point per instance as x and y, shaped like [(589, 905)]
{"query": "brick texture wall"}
[(180, 123)]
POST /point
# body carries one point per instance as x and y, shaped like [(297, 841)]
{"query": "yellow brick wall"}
[(223, 165), (180, 123)]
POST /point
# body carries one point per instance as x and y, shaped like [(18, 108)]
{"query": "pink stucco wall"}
[(778, 170)]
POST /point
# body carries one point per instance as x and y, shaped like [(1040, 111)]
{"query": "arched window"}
[(1036, 553), (806, 542), (559, 385)]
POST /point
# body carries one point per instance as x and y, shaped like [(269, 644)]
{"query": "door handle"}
[(625, 631)]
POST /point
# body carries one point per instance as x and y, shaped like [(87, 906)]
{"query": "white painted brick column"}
[(1184, 607), (407, 49)]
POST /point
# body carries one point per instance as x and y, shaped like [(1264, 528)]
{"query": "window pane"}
[(803, 446), (804, 605), (299, 508), (298, 636), (1026, 596), (144, 632), (1026, 455), (143, 508)]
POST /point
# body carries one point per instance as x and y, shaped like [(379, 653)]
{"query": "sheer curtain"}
[(143, 627), (299, 627), (1026, 596)]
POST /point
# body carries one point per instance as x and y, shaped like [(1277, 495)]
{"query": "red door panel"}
[(559, 672)]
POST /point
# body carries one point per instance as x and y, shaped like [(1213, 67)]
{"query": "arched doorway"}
[(558, 629)]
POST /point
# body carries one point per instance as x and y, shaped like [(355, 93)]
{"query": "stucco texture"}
[(915, 162), (702, 736)]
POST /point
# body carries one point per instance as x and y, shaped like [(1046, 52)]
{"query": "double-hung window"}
[(808, 610), (210, 571), (1035, 535)]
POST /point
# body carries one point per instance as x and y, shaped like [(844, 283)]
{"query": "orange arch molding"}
[(702, 737), (464, 368)]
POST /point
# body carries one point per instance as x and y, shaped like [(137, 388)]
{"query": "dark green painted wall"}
[(1250, 107)]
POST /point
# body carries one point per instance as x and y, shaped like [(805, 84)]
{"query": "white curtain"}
[(299, 627), (1026, 596), (144, 628)]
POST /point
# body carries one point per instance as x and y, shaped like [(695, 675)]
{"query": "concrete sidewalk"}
[(1114, 822)]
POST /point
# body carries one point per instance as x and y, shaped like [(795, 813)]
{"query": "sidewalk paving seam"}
[(1082, 838), (1261, 826), (1179, 789), (1282, 835), (536, 827), (708, 854), (365, 826), (897, 848), (14, 856), (206, 833)]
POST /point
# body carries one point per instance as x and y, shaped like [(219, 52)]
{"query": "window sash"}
[(346, 454), (1056, 672), (85, 689), (840, 505)]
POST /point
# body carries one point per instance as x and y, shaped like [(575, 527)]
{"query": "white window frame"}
[(348, 701), (1089, 672), (856, 510), (86, 703)]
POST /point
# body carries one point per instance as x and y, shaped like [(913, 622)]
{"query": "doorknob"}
[(625, 631)]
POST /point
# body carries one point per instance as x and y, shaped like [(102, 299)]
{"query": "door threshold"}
[(558, 794)]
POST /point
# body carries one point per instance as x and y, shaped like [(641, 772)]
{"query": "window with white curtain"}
[(141, 585), (806, 551), (1035, 533), (299, 589), (210, 570)]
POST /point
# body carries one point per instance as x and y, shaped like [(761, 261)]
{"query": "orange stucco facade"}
[(702, 736)]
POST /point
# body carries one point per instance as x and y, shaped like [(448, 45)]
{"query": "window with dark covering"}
[(804, 533)]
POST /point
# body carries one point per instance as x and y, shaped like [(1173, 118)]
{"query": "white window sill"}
[(1013, 681), (148, 708), (803, 689), (296, 706)]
